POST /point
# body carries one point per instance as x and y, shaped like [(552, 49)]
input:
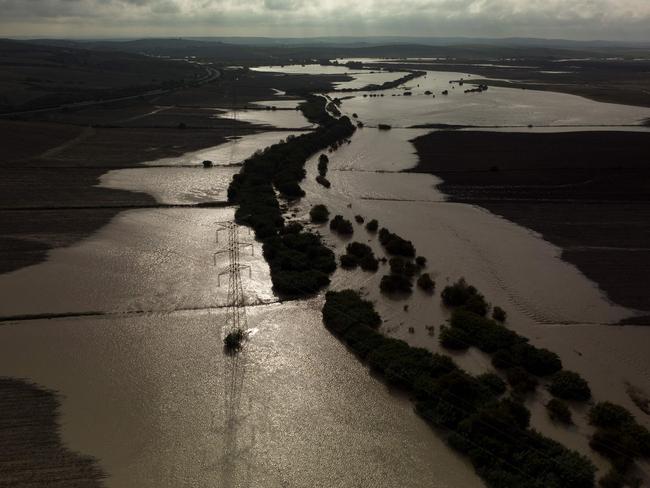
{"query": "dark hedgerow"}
[(281, 167), (619, 438), (569, 385), (493, 433), (323, 161)]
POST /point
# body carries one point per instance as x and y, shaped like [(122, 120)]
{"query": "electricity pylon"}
[(236, 316)]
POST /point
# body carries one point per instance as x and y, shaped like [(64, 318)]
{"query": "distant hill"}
[(259, 50), (39, 75)]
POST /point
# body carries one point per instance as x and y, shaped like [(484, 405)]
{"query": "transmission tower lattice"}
[(236, 316)]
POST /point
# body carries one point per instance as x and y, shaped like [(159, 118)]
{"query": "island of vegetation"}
[(300, 263), (491, 430)]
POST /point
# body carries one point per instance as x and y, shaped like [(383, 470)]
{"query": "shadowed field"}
[(587, 192)]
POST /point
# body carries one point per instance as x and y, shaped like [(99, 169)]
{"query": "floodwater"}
[(147, 389), (547, 299), (361, 78), (273, 119), (173, 182), (497, 106)]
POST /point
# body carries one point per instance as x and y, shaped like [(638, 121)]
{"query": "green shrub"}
[(395, 245), (535, 360), (425, 282), (499, 314), (421, 261), (558, 411), (319, 214), (460, 294), (321, 180), (395, 284), (372, 225), (299, 263), (346, 309), (340, 225), (401, 266), (369, 263), (609, 415), (348, 261), (452, 338), (521, 381), (233, 340), (359, 219), (493, 433), (484, 333), (323, 161), (292, 228), (493, 383), (358, 249), (569, 386)]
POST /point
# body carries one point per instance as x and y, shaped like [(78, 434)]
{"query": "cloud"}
[(608, 19)]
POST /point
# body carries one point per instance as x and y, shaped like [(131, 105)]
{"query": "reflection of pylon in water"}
[(236, 316)]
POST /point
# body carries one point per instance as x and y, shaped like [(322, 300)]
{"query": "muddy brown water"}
[(148, 391)]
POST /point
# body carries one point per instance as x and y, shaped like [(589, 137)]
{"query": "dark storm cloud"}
[(537, 18)]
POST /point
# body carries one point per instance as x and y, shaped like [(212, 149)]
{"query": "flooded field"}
[(495, 107), (148, 390), (361, 78)]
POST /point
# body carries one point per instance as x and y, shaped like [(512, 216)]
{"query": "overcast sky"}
[(570, 19)]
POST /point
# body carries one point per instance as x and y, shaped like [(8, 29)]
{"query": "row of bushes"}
[(512, 352), (299, 262), (388, 84), (396, 245), (619, 438), (492, 431), (323, 161)]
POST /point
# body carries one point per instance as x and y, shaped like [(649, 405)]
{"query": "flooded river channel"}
[(148, 391)]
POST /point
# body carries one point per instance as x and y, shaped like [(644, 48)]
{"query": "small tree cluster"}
[(462, 295), (372, 225), (425, 282), (569, 385), (395, 245), (342, 226), (558, 411), (358, 254), (319, 214)]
